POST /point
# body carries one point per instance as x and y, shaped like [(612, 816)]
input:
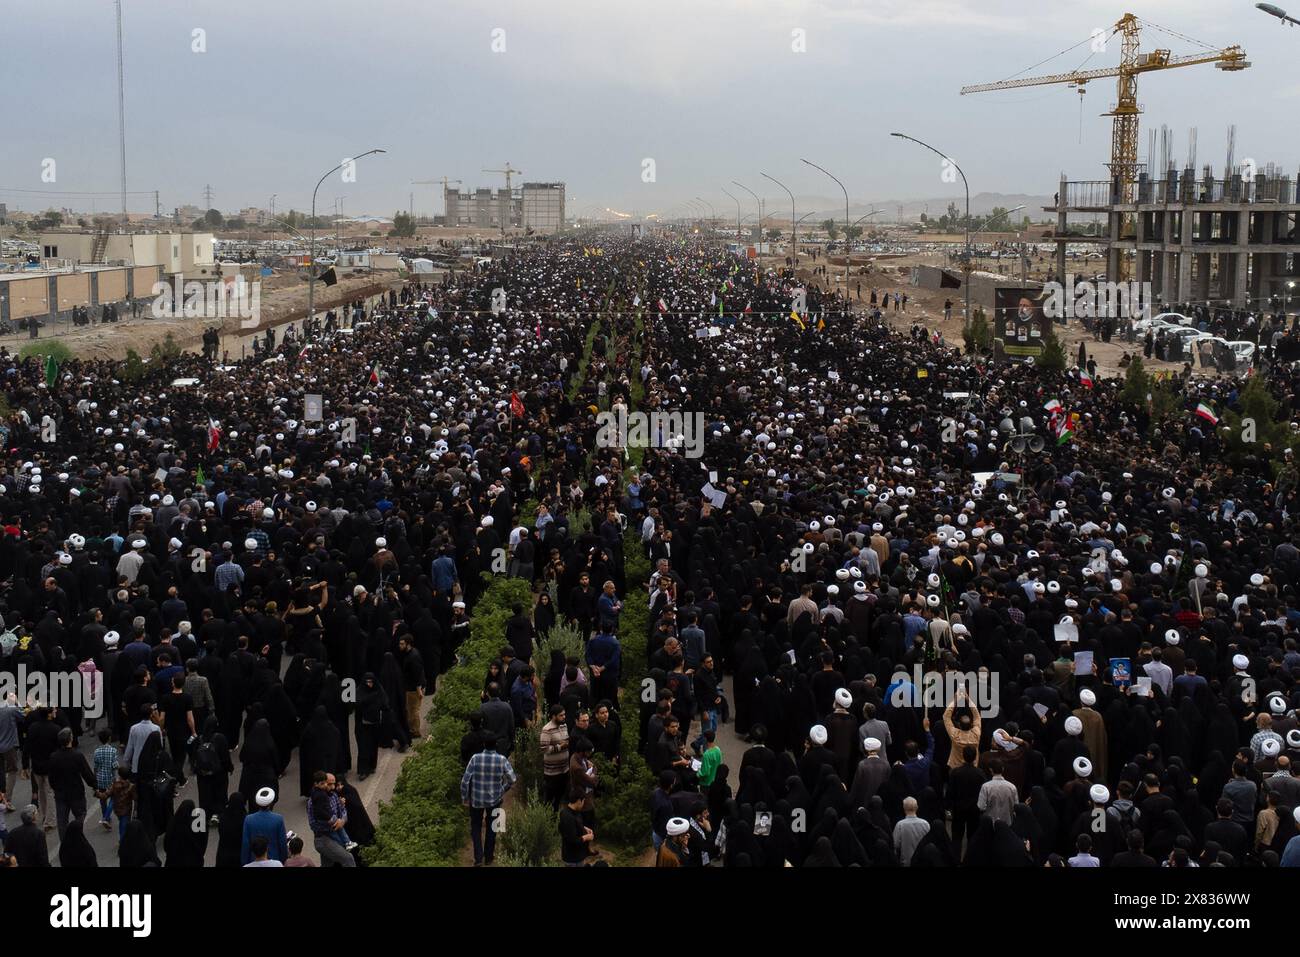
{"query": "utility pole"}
[(121, 109), (157, 206), (207, 197)]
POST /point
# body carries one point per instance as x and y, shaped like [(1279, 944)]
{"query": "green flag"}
[(200, 477), (51, 370)]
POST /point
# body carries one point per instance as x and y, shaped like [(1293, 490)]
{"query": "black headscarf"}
[(137, 848), (822, 855), (230, 834), (184, 845), (75, 850)]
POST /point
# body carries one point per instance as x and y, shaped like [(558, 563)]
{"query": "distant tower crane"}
[(434, 182), (508, 171)]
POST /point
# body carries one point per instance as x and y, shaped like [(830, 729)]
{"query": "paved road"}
[(378, 787)]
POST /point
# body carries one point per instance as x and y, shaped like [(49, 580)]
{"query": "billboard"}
[(1019, 321)]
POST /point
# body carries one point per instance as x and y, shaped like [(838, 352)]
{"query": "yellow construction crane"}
[(1124, 137)]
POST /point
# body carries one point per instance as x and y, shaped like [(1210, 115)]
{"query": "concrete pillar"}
[(1240, 271)]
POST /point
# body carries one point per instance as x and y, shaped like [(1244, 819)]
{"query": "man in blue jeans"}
[(485, 782)]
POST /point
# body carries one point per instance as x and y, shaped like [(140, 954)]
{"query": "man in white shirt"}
[(998, 796)]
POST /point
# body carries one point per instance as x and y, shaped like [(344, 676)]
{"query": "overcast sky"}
[(586, 90)]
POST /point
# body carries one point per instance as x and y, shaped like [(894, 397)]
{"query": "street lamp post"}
[(1020, 241), (947, 158), (794, 223), (846, 222), (737, 202), (759, 203), (311, 258), (712, 213)]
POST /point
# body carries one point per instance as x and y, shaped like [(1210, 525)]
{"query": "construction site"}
[(1227, 240)]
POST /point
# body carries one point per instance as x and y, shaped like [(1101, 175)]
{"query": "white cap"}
[(832, 590), (843, 698), (860, 587), (1277, 704), (458, 604), (358, 590), (1271, 747), (381, 543), (678, 826), (1073, 725), (871, 744), (265, 797), (1296, 814), (1293, 738), (817, 734), (268, 513), (1240, 662), (1087, 697), (960, 629), (1257, 579), (1099, 793), (1082, 766), (842, 574), (1172, 636), (488, 521), (1053, 587), (111, 639), (311, 506), (65, 558), (250, 544)]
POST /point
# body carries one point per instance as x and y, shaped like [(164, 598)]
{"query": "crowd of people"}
[(940, 651)]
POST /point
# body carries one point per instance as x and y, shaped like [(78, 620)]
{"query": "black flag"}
[(329, 276)]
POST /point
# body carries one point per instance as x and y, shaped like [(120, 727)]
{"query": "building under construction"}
[(1196, 239), (536, 206)]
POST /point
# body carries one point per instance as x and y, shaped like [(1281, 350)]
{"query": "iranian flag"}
[(214, 434), (1064, 430), (1206, 412), (1053, 407), (374, 374), (663, 306), (1085, 378)]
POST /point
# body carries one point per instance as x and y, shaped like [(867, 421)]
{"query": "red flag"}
[(214, 434), (516, 405)]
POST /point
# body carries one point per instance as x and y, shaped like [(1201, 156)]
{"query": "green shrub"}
[(527, 758), (425, 825), (623, 802), (564, 638), (532, 834), (46, 347)]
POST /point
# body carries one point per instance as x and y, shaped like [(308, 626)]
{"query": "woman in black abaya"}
[(259, 762), (936, 848), (74, 849), (214, 787), (390, 677), (1027, 828), (230, 833), (822, 855), (360, 828), (186, 842), (339, 710), (848, 850), (283, 718), (137, 847), (318, 750)]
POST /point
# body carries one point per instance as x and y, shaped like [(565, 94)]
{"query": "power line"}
[(77, 192)]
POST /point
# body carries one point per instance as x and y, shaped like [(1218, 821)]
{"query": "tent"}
[(421, 265)]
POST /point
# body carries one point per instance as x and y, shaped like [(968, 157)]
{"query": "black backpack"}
[(205, 759)]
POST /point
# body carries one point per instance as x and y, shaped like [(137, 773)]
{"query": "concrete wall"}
[(73, 289), (112, 285), (28, 297)]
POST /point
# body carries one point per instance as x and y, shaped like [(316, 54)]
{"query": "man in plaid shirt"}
[(105, 774), (485, 782)]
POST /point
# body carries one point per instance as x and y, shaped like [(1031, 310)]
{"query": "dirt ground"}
[(280, 303), (892, 273)]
